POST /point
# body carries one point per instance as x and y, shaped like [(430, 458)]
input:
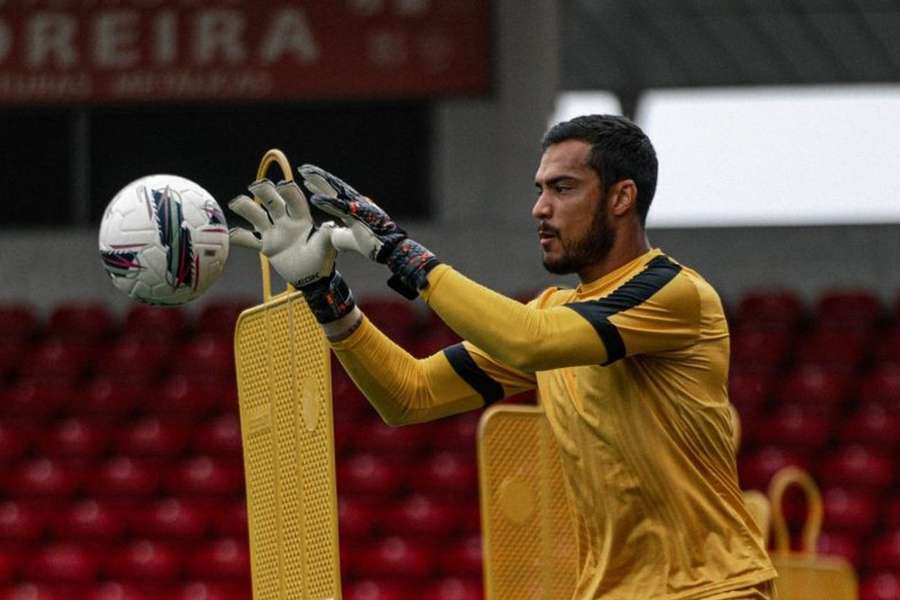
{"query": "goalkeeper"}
[(631, 365)]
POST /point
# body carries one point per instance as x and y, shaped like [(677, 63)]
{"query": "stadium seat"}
[(134, 357), (815, 385), (420, 516), (750, 390), (29, 590), (230, 519), (35, 398), (56, 358), (74, 437), (124, 477), (800, 426), (18, 322), (89, 520), (358, 519), (144, 560), (470, 517), (452, 474), (10, 564), (880, 586), (375, 589), (398, 558), (377, 437), (834, 348), (219, 436), (164, 322), (850, 510), (42, 477), (843, 544), (202, 476), (463, 558), (174, 519), (219, 317), (757, 467), (220, 559), (855, 309), (856, 465), (62, 563), (883, 553), (398, 319), (434, 339), (454, 588), (154, 436), (892, 512), (874, 425), (208, 590), (772, 309), (15, 438), (887, 346), (21, 522), (456, 433), (85, 323), (188, 396), (371, 475), (11, 353), (882, 386), (206, 355), (109, 397), (118, 590), (760, 348)]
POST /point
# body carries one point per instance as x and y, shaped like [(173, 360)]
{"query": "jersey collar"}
[(592, 287)]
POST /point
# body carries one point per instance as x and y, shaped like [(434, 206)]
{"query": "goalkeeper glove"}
[(300, 252), (374, 234)]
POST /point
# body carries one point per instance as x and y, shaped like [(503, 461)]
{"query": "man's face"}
[(573, 228)]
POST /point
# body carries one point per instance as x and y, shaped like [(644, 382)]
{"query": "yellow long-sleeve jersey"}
[(631, 370)]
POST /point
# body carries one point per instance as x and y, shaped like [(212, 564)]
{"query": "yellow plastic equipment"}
[(805, 575), (284, 390), (528, 530)]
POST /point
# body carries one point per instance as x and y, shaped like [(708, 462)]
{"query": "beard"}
[(592, 247)]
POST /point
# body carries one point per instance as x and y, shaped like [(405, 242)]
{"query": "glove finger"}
[(342, 239), (251, 211), (297, 206), (244, 237), (334, 206), (265, 190), (322, 182)]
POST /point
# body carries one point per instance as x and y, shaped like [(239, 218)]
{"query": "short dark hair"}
[(619, 150)]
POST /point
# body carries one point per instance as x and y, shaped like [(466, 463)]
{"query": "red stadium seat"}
[(470, 517), (207, 355), (834, 348), (757, 467), (864, 467), (74, 437), (110, 397), (433, 339), (398, 319), (463, 558), (44, 478), (880, 586), (220, 436), (145, 560), (221, 559), (452, 474), (377, 437), (882, 386), (21, 522), (420, 516), (456, 433), (204, 476), (850, 510), (17, 322), (367, 474), (173, 519), (397, 557), (154, 436), (89, 519), (887, 346), (760, 348), (773, 309), (118, 590), (56, 358), (884, 552), (374, 589), (892, 512), (856, 309), (750, 390), (82, 322), (125, 477), (180, 394), (11, 353), (846, 545), (210, 590), (62, 563), (15, 438), (33, 591), (230, 520), (873, 424), (358, 519), (454, 588), (10, 563), (815, 385), (164, 322), (219, 317), (798, 426), (134, 357), (35, 398)]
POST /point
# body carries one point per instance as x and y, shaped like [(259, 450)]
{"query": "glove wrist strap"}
[(411, 262), (328, 298)]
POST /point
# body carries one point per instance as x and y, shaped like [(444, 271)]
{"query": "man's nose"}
[(541, 208)]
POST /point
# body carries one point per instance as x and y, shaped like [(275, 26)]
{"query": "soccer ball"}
[(163, 240)]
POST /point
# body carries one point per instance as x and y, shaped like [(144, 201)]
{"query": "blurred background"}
[(775, 124)]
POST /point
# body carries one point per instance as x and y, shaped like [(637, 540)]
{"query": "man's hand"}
[(300, 252), (372, 232)]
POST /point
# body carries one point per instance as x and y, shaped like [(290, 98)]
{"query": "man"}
[(631, 365)]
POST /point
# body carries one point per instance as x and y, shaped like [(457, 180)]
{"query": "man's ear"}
[(623, 197)]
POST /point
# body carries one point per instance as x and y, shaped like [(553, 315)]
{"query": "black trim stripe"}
[(466, 367), (658, 272)]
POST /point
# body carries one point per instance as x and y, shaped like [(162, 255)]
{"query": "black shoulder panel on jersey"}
[(658, 272), (466, 367)]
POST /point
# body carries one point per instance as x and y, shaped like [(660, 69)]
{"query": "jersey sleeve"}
[(404, 389), (658, 310)]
